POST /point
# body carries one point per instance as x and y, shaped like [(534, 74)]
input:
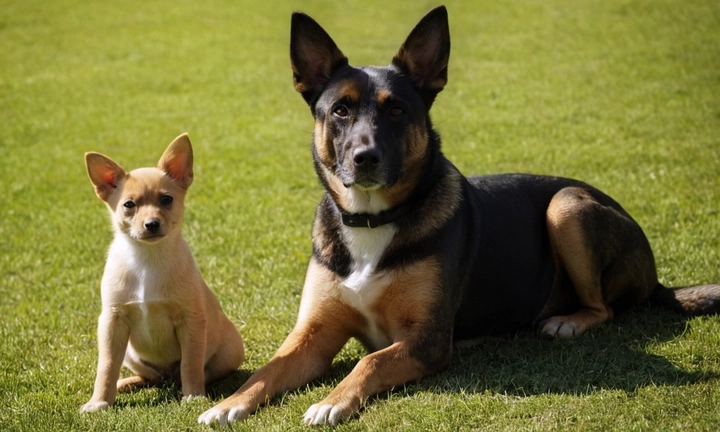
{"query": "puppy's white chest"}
[(133, 277)]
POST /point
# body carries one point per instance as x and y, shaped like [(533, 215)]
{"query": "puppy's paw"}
[(193, 399), (326, 414), (94, 406), (224, 415)]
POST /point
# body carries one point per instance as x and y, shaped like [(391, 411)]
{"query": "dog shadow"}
[(613, 356), (171, 391), (229, 385)]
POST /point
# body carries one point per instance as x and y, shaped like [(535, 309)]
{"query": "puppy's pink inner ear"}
[(108, 176), (179, 168), (177, 161)]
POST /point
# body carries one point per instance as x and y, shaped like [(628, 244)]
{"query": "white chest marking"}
[(140, 275), (364, 284)]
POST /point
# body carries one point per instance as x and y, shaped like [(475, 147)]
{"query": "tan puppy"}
[(158, 316)]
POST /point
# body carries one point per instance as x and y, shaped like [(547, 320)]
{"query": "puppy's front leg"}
[(193, 343), (377, 372), (113, 336)]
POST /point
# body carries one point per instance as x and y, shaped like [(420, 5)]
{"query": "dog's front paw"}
[(326, 414), (224, 415), (94, 406)]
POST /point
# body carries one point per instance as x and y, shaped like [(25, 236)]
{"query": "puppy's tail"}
[(693, 300)]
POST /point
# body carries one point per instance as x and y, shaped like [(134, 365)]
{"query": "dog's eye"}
[(166, 200), (129, 204), (341, 111), (396, 111)]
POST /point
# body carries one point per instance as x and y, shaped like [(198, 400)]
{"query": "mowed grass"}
[(624, 94)]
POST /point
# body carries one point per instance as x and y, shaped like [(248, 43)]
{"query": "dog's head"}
[(146, 204), (373, 138)]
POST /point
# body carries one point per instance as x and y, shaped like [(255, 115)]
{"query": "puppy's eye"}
[(396, 111), (129, 204), (166, 200), (341, 111)]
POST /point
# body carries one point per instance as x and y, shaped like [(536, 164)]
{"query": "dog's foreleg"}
[(374, 373), (422, 343), (113, 336), (306, 354)]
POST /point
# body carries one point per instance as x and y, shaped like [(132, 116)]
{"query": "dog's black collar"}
[(367, 220)]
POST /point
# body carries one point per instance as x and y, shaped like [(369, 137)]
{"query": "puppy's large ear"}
[(177, 161), (313, 56), (104, 173), (425, 54)]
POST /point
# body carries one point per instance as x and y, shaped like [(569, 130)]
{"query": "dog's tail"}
[(692, 300)]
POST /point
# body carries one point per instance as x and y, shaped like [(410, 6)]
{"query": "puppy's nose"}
[(367, 157), (152, 225)]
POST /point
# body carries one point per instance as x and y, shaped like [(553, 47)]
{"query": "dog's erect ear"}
[(177, 161), (425, 54), (313, 56), (104, 173)]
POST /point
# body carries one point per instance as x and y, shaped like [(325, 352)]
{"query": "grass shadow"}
[(229, 385), (613, 356), (171, 392)]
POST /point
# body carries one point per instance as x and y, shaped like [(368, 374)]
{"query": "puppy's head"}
[(372, 128), (146, 204)]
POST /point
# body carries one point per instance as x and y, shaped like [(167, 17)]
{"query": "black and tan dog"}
[(409, 256)]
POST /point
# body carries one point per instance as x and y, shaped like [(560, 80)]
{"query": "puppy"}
[(158, 316)]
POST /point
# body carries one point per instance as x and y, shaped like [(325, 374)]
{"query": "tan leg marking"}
[(324, 325), (421, 345), (572, 252)]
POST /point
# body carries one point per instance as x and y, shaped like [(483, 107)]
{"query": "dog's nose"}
[(152, 225), (367, 157)]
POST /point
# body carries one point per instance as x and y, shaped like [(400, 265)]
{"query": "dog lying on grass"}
[(410, 256), (158, 317)]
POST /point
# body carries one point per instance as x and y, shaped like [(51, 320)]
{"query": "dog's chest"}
[(365, 284)]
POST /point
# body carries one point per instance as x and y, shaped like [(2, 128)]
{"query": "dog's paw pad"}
[(558, 329), (223, 416), (323, 414), (213, 415), (94, 407)]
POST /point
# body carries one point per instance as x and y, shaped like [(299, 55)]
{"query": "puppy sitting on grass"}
[(158, 316)]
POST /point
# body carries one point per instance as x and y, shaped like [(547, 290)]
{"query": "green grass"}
[(624, 94)]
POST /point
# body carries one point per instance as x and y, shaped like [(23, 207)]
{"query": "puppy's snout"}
[(367, 157), (152, 225)]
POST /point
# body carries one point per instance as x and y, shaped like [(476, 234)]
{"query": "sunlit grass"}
[(623, 94)]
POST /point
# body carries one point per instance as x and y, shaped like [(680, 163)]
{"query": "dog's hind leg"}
[(605, 255)]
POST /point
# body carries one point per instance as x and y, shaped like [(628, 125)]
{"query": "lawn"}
[(624, 94)]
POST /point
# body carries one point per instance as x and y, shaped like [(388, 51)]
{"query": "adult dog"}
[(409, 255)]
